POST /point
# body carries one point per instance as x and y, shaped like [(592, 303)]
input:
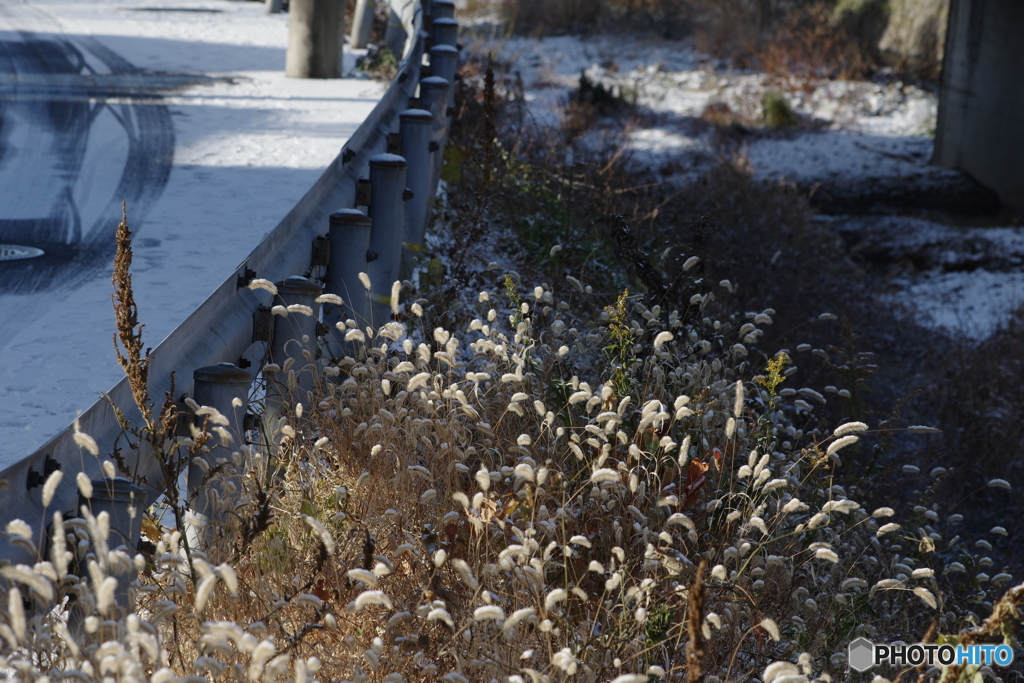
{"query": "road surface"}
[(181, 110)]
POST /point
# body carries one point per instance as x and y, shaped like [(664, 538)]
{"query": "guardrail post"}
[(444, 61), (225, 388), (443, 9), (350, 254), (125, 503), (446, 31), (293, 348), (416, 128), (434, 98), (362, 22), (316, 31), (387, 209)]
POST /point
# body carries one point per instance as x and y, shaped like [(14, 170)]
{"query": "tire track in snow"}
[(48, 110)]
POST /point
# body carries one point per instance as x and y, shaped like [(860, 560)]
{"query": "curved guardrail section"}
[(221, 329)]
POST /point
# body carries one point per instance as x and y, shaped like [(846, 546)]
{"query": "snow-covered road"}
[(179, 108)]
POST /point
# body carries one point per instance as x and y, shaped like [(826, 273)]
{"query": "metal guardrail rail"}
[(221, 329)]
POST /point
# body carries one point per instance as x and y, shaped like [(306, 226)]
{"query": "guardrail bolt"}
[(394, 143), (38, 479), (387, 209), (350, 241), (245, 277)]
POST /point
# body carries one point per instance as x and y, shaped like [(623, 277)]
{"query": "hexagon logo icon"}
[(861, 655)]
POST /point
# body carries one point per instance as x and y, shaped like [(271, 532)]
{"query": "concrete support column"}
[(362, 22), (980, 126), (394, 34), (316, 32)]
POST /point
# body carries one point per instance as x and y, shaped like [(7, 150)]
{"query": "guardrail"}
[(211, 353)]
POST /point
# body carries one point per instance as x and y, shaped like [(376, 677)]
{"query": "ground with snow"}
[(248, 143), (862, 144)]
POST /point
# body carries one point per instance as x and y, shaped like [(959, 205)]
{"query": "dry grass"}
[(532, 481), (668, 18), (802, 41)]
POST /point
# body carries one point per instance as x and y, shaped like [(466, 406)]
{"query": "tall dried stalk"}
[(694, 627), (993, 630), (129, 330)]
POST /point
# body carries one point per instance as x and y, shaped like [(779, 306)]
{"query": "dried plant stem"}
[(129, 330), (1004, 613), (695, 617)]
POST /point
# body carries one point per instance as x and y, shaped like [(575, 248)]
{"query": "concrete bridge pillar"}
[(980, 128)]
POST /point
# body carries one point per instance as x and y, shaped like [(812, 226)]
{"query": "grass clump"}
[(777, 112), (379, 63)]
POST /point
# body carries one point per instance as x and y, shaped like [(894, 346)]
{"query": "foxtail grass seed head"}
[(887, 529), (841, 443), (365, 279), (85, 441), (849, 428), (396, 288), (50, 487), (922, 429), (84, 484), (266, 285), (322, 532), (16, 614)]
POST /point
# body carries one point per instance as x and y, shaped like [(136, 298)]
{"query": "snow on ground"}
[(964, 280), (972, 304), (851, 135), (248, 145), (676, 84)]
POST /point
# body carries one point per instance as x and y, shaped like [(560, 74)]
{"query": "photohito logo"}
[(863, 654)]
